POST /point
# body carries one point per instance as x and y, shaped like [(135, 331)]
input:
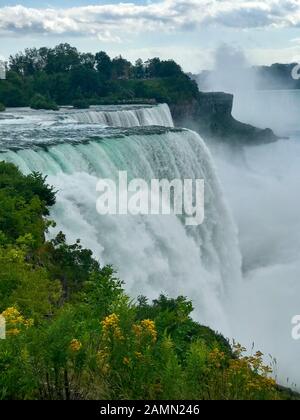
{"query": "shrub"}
[(42, 102)]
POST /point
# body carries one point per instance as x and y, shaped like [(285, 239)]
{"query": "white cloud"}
[(110, 22)]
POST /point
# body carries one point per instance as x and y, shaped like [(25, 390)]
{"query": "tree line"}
[(64, 75)]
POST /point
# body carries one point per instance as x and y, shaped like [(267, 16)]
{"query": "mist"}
[(262, 189), (231, 72), (262, 185), (234, 73)]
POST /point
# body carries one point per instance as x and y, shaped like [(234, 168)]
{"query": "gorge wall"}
[(211, 116)]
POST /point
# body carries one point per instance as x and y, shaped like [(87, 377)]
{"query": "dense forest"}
[(47, 77), (73, 333)]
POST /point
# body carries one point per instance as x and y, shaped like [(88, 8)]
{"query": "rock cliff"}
[(211, 116)]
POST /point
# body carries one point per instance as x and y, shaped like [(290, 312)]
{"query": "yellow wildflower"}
[(126, 361), (102, 354), (137, 329), (217, 358), (75, 345), (13, 331), (110, 321), (149, 327), (111, 324), (138, 354), (102, 359), (14, 318), (105, 368)]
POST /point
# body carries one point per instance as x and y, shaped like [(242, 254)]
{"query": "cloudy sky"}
[(187, 30)]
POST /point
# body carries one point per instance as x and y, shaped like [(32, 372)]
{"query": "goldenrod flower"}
[(13, 331), (110, 321), (102, 354), (126, 361), (149, 327), (138, 354), (105, 368), (137, 329), (14, 318), (75, 345), (145, 327), (111, 324)]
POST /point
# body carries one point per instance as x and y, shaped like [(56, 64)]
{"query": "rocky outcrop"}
[(211, 116)]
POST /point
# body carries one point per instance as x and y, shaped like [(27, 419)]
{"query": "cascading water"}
[(153, 254), (137, 117)]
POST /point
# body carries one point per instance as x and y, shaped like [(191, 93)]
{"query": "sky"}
[(189, 31)]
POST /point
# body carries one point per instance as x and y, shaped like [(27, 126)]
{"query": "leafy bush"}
[(41, 102)]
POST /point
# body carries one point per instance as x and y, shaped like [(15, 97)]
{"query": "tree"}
[(12, 95), (63, 75), (88, 60), (29, 62), (169, 69), (152, 67), (158, 68), (103, 65), (83, 80), (139, 69), (62, 58), (121, 68)]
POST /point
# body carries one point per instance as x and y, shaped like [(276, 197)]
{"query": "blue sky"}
[(187, 30)]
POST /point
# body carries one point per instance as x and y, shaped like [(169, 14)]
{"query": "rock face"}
[(211, 116)]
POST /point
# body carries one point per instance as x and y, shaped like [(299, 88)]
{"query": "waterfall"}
[(153, 254), (159, 115)]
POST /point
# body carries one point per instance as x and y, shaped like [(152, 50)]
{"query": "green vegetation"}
[(73, 333), (81, 104), (2, 107), (41, 102), (42, 78)]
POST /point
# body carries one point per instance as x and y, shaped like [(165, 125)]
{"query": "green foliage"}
[(13, 91), (73, 333), (172, 317), (25, 286), (81, 104), (41, 102), (104, 65), (2, 107), (24, 202), (42, 78)]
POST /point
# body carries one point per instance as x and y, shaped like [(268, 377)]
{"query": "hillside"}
[(73, 333)]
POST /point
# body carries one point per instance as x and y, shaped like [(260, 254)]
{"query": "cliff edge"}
[(211, 116)]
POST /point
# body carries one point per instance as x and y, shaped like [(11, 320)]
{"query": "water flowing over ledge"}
[(153, 254), (22, 128), (159, 115)]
